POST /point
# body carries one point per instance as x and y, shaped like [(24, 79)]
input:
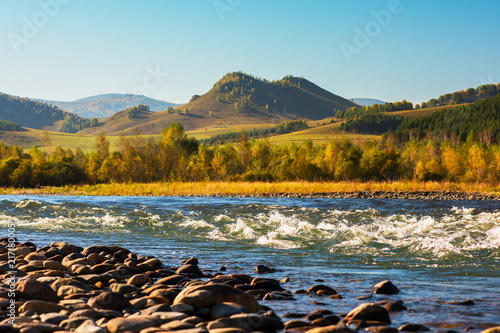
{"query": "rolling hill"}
[(236, 99), (32, 114), (103, 106)]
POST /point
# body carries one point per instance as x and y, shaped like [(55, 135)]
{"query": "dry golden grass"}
[(257, 188)]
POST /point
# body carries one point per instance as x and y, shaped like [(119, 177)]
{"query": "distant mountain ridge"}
[(367, 101), (106, 105)]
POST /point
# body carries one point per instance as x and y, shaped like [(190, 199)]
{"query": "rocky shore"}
[(100, 289), (408, 195)]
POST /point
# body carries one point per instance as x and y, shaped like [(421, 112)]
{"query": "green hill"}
[(32, 114), (236, 99)]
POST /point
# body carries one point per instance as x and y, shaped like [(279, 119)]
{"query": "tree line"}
[(287, 127), (175, 157), (353, 112)]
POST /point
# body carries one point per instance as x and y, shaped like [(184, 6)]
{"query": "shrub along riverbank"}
[(389, 190)]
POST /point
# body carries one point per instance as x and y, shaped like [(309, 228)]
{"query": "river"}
[(434, 251)]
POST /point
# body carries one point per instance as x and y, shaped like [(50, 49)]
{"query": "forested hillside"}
[(480, 119), (28, 113)]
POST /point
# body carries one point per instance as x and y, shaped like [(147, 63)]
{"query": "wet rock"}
[(55, 265), (139, 279), (79, 261), (72, 323), (395, 306), (89, 326), (227, 309), (228, 330), (300, 291), (189, 269), (52, 318), (37, 326), (69, 290), (110, 301), (385, 288), (72, 282), (413, 328), (123, 288), (157, 308), (97, 258), (331, 329), (268, 284), (33, 289), (176, 325), (35, 256), (168, 294), (248, 322), (321, 289), (382, 329), (262, 269), (297, 323), (133, 323), (242, 277), (184, 308), (191, 261), (89, 313), (294, 315), (197, 298), (369, 311), (172, 280), (80, 269), (66, 248), (466, 302), (101, 268), (326, 321), (223, 293)]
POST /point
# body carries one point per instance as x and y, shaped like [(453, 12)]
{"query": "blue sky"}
[(173, 49)]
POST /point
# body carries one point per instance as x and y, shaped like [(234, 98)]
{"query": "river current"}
[(436, 252)]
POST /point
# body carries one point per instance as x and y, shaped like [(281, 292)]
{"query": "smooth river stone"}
[(222, 293), (369, 311), (133, 323), (385, 288), (33, 289)]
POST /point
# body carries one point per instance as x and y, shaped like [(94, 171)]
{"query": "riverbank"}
[(106, 288), (389, 190)]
